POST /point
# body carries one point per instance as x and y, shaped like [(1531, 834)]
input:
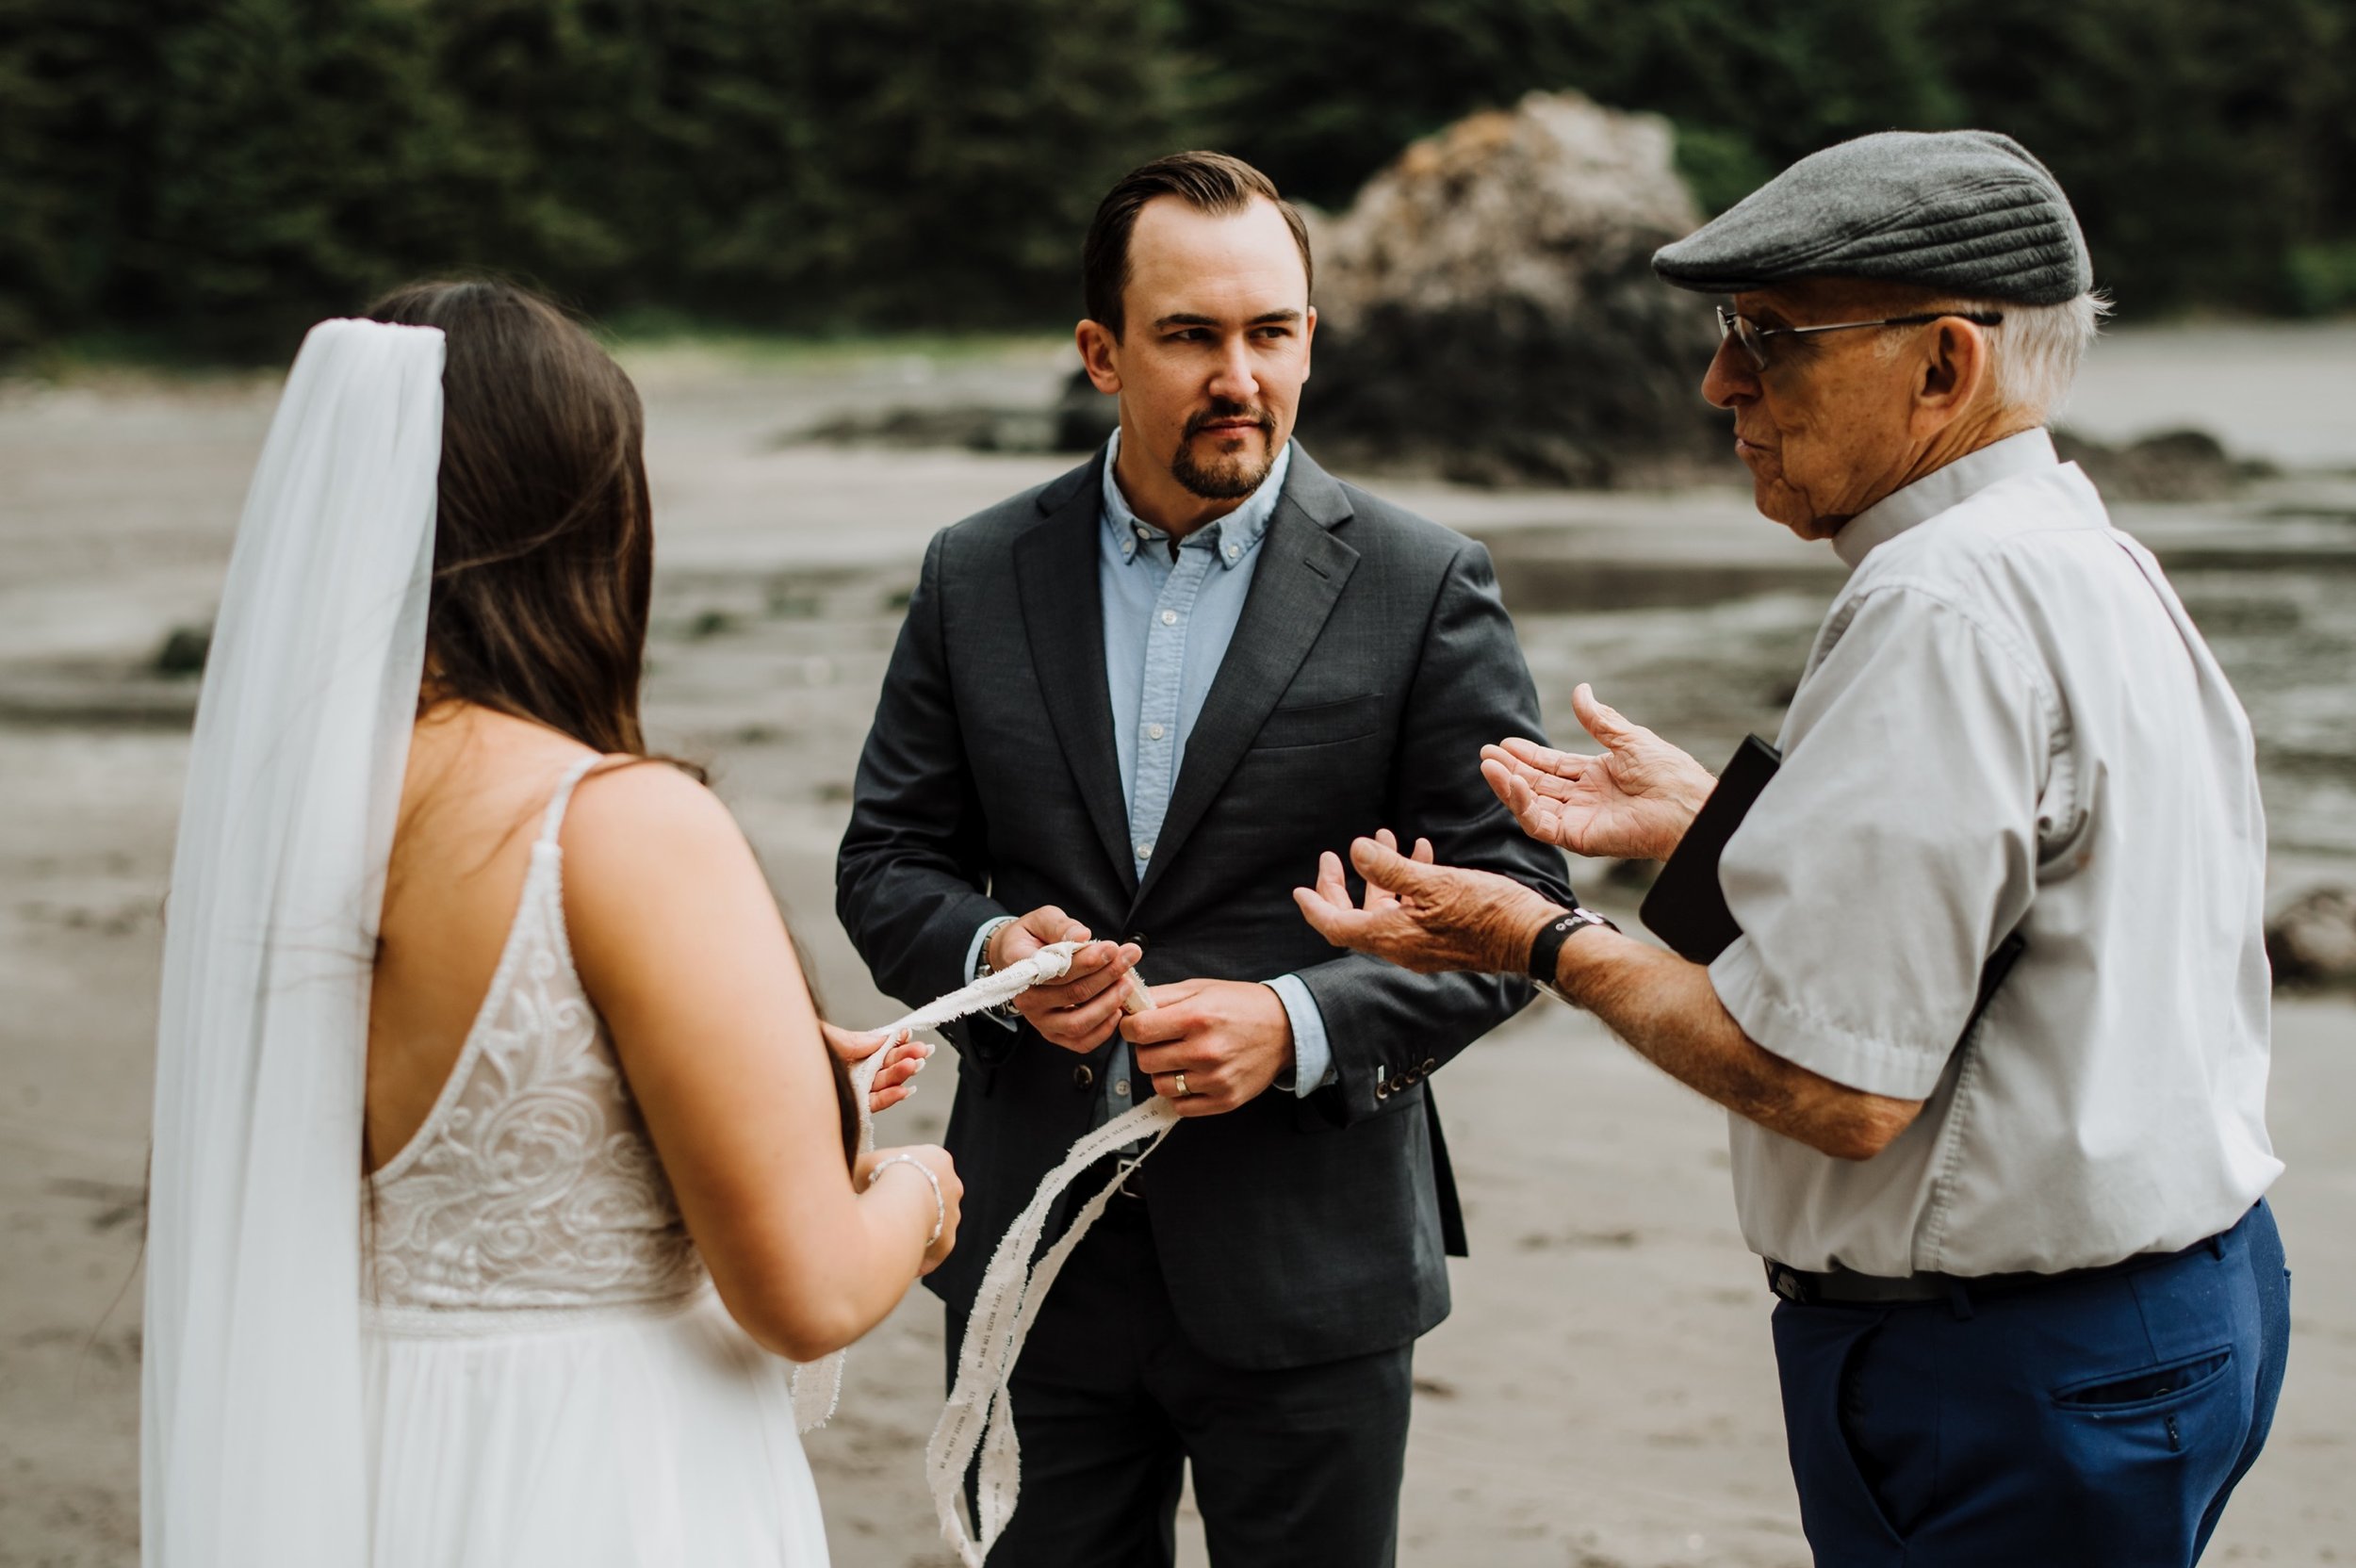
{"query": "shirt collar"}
[(1237, 535), (1940, 489)]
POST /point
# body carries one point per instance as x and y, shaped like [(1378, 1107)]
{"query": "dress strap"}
[(563, 797)]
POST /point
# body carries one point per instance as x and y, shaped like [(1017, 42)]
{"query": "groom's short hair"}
[(1208, 182)]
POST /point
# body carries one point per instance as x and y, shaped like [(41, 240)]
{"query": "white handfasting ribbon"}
[(818, 1385), (979, 1413)]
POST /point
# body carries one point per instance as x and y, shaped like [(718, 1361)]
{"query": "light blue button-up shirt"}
[(1170, 607)]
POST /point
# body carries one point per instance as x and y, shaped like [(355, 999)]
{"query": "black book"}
[(1687, 908)]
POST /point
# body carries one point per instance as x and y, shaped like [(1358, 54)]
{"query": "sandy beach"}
[(1604, 1395)]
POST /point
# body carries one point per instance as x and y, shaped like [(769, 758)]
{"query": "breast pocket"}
[(1320, 724)]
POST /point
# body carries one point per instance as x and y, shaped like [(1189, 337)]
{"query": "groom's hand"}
[(1229, 1038), (1078, 1012)]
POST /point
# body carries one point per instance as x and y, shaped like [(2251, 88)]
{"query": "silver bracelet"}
[(941, 1205)]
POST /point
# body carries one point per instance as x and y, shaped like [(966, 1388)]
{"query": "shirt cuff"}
[(1313, 1054), (974, 964)]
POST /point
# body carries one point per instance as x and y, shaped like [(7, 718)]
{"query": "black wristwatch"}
[(1546, 950)]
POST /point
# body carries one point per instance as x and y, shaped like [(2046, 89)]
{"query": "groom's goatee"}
[(1228, 478)]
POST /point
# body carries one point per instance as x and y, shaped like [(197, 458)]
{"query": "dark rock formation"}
[(1487, 307), (975, 427), (184, 650), (2312, 942), (2173, 465)]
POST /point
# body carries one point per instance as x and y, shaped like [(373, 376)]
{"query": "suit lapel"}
[(1063, 615), (1300, 574)]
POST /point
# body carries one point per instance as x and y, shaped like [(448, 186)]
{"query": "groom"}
[(1133, 704)]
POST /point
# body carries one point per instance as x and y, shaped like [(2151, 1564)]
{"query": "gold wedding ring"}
[(1182, 1090)]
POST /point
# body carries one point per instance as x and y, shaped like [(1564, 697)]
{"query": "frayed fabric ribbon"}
[(978, 1418)]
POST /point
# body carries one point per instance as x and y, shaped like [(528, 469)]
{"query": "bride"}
[(502, 1160)]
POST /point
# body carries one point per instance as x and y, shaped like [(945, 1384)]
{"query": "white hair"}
[(2036, 351)]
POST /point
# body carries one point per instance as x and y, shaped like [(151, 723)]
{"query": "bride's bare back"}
[(682, 949), (477, 783)]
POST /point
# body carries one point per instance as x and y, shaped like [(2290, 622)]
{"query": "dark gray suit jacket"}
[(1372, 660)]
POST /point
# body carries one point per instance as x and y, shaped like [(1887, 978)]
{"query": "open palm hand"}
[(1633, 802)]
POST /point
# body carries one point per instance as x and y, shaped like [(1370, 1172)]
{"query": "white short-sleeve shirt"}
[(2007, 721)]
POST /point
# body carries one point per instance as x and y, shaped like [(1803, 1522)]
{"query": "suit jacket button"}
[(1430, 1064), (1382, 1091), (1134, 939), (1083, 1075)]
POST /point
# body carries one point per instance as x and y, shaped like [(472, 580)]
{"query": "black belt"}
[(1843, 1287)]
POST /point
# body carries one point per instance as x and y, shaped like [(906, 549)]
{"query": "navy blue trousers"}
[(2093, 1422)]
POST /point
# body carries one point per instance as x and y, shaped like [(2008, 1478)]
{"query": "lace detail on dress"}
[(532, 1183)]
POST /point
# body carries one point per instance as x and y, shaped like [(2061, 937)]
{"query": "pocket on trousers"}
[(2148, 1388), (2149, 1446), (1851, 1420), (1817, 1352)]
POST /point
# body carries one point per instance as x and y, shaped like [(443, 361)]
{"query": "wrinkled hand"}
[(1078, 1012), (935, 1159), (1229, 1038), (1633, 802), (1429, 918), (895, 1079)]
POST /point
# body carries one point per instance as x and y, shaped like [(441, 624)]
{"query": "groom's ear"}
[(1098, 347)]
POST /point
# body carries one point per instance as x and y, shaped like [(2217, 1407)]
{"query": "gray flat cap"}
[(1969, 211)]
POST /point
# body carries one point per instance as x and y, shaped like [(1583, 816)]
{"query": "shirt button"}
[(1169, 617), (1128, 548), (1234, 550), (1154, 730), (1120, 1087), (1144, 533), (1145, 849)]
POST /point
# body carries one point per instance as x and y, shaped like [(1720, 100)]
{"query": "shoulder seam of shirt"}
[(2000, 639)]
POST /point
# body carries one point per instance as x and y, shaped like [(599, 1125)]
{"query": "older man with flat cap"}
[(2033, 1306)]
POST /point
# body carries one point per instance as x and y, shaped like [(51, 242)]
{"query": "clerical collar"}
[(1940, 489)]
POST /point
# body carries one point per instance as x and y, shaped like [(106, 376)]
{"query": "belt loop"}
[(1959, 1300), (2216, 1245)]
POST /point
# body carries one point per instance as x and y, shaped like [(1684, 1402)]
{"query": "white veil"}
[(253, 1453)]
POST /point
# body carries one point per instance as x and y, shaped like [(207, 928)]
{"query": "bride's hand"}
[(895, 1079), (944, 1170), (1633, 802)]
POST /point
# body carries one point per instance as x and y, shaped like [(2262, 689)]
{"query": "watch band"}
[(1546, 949), (1004, 1012)]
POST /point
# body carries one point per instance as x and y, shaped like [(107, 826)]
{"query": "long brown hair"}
[(544, 537), (544, 532)]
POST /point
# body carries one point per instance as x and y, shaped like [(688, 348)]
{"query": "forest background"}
[(201, 179)]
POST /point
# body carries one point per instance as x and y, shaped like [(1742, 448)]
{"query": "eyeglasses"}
[(1753, 337)]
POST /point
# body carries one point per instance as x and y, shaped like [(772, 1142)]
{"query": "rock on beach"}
[(2312, 942), (1486, 307)]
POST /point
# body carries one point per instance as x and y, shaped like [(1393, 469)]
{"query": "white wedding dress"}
[(548, 1377)]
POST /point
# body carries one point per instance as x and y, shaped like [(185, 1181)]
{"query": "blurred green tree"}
[(78, 90), (2197, 141), (1323, 93), (211, 174)]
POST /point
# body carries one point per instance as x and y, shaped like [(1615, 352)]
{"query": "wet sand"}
[(1603, 1393)]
